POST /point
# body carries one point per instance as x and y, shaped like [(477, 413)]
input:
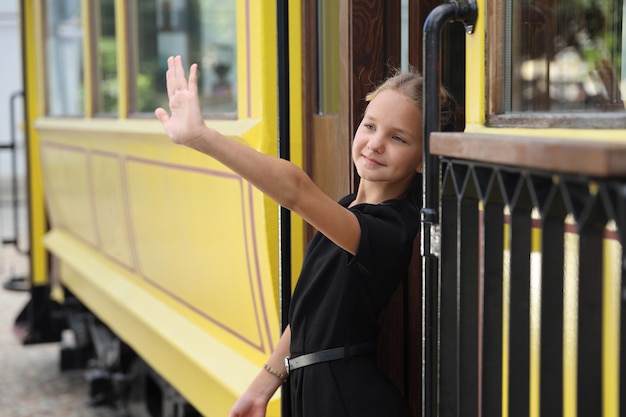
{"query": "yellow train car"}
[(168, 251), (170, 275)]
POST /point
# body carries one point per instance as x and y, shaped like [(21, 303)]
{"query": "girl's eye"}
[(369, 126), (398, 139)]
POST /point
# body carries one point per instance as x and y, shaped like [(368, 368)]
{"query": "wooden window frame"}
[(496, 67)]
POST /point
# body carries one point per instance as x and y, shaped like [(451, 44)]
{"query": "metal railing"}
[(17, 207), (530, 286)]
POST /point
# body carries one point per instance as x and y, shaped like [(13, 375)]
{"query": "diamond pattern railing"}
[(531, 291)]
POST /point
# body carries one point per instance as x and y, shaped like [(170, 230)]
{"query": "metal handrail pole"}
[(433, 26)]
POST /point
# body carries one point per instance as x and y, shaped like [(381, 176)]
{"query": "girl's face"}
[(387, 146)]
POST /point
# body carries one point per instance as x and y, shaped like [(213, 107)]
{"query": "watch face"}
[(287, 364)]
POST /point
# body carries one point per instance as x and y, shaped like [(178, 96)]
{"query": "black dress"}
[(337, 302)]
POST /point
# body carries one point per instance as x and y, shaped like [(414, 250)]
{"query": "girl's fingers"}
[(175, 77), (193, 79), (179, 73), (170, 77), (162, 115)]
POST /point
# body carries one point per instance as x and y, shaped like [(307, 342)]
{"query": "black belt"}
[(328, 355)]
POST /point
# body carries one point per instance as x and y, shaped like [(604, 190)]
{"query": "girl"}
[(352, 265)]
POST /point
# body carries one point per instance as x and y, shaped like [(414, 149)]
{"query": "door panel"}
[(368, 41)]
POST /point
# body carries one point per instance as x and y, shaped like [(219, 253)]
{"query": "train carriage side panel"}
[(171, 250)]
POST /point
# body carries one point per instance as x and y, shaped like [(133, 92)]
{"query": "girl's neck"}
[(377, 193)]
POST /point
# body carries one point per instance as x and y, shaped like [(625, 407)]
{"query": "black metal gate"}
[(530, 282)]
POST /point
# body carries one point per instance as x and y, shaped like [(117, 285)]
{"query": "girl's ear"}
[(419, 167)]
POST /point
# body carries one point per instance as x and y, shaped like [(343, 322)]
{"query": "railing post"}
[(436, 20)]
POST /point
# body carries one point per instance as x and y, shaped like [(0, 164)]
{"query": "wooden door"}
[(350, 46)]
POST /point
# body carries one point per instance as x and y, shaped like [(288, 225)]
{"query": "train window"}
[(564, 56), (204, 32), (64, 57), (106, 59), (328, 56)]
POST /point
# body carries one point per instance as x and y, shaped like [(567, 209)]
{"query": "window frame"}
[(497, 63)]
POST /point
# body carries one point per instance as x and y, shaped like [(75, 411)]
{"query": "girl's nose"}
[(376, 143)]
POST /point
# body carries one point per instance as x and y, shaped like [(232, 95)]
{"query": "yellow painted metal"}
[(506, 312), (535, 317), (570, 322), (475, 70), (137, 214), (257, 97), (296, 123), (611, 325), (33, 79), (172, 344), (608, 135)]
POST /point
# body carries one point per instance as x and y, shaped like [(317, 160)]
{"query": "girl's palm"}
[(185, 124)]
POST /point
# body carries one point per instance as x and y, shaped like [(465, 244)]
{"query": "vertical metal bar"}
[(491, 355), (14, 186), (551, 351), (12, 148), (519, 314), (589, 362), (282, 10), (433, 26), (467, 276), (431, 123), (448, 397), (284, 152)]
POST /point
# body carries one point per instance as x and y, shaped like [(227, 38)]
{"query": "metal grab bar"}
[(465, 12), (15, 283), (11, 146), (282, 16)]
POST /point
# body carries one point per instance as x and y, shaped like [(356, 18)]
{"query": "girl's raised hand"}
[(185, 123)]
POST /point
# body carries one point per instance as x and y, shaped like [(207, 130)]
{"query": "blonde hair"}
[(411, 85)]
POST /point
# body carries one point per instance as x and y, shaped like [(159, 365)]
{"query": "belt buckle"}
[(287, 364)]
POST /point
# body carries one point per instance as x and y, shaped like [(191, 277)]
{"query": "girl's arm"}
[(279, 179), (253, 402)]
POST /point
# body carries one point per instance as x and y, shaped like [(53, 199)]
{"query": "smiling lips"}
[(372, 161)]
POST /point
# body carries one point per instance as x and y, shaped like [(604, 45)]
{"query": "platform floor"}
[(31, 383)]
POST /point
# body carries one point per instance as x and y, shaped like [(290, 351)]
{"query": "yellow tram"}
[(172, 253), (168, 273)]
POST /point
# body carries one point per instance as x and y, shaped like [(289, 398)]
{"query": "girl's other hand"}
[(185, 124), (249, 405)]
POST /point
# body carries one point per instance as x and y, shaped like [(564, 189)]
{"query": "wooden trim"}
[(309, 75), (392, 47), (346, 123), (366, 52), (599, 159), (417, 15), (495, 58), (330, 159)]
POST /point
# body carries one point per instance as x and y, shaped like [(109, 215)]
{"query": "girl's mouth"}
[(372, 161)]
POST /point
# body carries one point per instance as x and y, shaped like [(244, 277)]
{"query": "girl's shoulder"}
[(398, 211), (346, 200), (399, 204)]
